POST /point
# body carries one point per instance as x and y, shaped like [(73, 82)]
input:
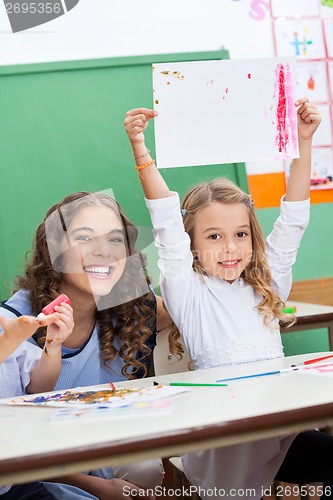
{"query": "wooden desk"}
[(34, 448), (310, 317)]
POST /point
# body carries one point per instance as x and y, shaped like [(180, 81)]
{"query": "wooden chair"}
[(164, 364)]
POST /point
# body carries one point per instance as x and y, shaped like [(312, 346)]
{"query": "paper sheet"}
[(82, 397)]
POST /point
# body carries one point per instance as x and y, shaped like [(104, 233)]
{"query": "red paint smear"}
[(282, 137), (249, 76)]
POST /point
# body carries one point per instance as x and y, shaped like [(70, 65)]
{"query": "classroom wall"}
[(108, 29)]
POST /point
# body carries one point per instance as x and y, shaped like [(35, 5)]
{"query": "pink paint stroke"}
[(292, 115), (282, 135)]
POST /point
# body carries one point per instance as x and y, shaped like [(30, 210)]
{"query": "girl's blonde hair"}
[(257, 274)]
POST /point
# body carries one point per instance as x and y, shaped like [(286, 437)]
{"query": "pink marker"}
[(49, 309)]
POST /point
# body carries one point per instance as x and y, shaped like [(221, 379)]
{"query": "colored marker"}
[(285, 370), (49, 309), (264, 374), (314, 360), (289, 310)]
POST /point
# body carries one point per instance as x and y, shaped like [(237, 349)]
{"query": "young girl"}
[(26, 368), (85, 248), (225, 291)]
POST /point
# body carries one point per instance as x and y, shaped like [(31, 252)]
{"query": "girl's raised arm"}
[(308, 120), (152, 182)]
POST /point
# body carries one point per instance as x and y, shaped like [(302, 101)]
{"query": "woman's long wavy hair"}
[(257, 274), (134, 320)]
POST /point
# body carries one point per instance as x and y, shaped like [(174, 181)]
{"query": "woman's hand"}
[(61, 326), (308, 118)]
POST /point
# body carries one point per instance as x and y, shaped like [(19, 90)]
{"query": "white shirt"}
[(220, 325)]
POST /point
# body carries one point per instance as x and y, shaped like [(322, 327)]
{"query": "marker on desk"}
[(49, 309), (263, 374), (314, 360), (277, 372), (193, 384)]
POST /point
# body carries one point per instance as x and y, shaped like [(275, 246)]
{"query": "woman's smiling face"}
[(94, 251), (222, 240)]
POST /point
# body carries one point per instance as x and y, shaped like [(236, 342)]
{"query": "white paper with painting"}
[(302, 38), (225, 111)]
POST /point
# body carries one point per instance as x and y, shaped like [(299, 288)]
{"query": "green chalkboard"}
[(61, 129)]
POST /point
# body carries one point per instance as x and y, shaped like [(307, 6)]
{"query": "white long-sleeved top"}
[(220, 325), (15, 375)]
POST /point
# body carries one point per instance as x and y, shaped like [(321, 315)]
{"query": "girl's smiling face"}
[(94, 251), (222, 240)]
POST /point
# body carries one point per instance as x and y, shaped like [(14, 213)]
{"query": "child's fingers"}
[(303, 107), (64, 308), (310, 114), (136, 124), (28, 321), (22, 327), (135, 129), (24, 321), (48, 319), (307, 113), (137, 119)]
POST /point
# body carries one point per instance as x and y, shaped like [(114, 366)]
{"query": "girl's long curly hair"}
[(257, 274), (134, 320)]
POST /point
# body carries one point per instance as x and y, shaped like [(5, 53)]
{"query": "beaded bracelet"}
[(142, 156), (140, 167)]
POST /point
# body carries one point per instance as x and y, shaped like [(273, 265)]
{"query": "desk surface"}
[(33, 448)]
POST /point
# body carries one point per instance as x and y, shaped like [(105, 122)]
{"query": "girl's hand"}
[(136, 122), (20, 329), (60, 326), (308, 118)]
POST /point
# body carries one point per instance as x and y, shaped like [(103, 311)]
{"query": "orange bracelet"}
[(140, 167)]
